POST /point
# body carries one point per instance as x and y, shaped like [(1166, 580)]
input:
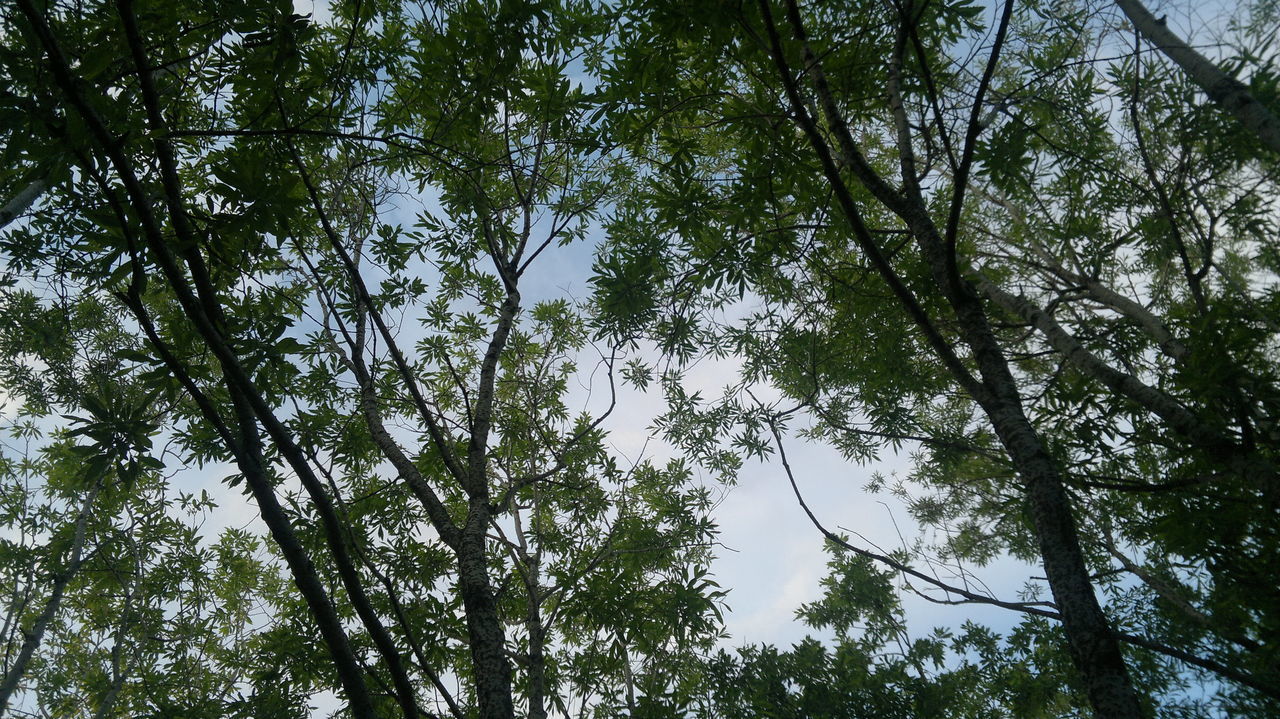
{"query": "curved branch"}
[(1023, 607), (970, 596)]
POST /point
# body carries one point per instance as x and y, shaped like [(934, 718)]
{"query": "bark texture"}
[(484, 626), (14, 208), (1226, 91)]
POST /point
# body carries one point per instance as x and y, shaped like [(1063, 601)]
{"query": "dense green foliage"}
[(1062, 292), (308, 256)]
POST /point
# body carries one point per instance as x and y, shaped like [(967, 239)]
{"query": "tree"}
[(394, 408), (111, 599), (1012, 266), (875, 668), (299, 250)]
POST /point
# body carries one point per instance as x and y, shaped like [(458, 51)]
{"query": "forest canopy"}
[(1028, 249)]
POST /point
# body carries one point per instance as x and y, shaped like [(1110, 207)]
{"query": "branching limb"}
[(1097, 291), (1226, 91), (868, 176), (969, 596), (1171, 594), (428, 415), (1126, 385)]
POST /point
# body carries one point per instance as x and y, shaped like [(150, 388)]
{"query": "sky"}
[(771, 559)]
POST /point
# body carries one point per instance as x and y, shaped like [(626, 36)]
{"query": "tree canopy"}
[(1029, 247)]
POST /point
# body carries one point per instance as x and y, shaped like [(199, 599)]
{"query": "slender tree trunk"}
[(629, 676), (348, 669), (252, 464), (1094, 647), (484, 627), (31, 640), (1223, 89), (537, 671), (537, 668)]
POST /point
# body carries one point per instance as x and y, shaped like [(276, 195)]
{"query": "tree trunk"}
[(31, 640), (535, 626), (484, 628), (537, 667), (1094, 648)]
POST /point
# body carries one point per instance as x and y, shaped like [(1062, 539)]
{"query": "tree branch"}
[(1226, 91), (14, 208)]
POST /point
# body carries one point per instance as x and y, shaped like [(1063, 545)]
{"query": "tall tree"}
[(995, 242), (306, 249), (394, 406)]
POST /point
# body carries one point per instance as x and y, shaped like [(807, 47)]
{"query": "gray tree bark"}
[(484, 626), (1226, 91), (14, 208)]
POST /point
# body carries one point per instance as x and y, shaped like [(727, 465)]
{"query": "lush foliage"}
[(310, 256), (1041, 259)]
